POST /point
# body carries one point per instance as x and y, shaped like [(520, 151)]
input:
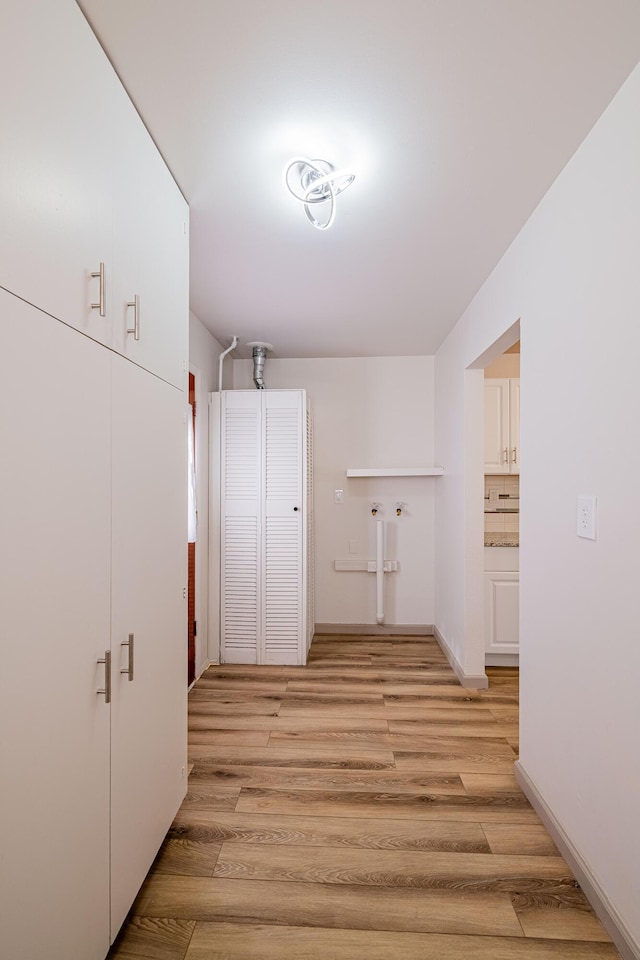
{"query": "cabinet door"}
[(151, 251), (149, 554), (514, 425), (54, 624), (241, 541), (284, 455), (502, 591), (56, 100), (496, 426)]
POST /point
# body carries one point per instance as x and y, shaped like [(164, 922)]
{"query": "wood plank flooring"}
[(360, 808)]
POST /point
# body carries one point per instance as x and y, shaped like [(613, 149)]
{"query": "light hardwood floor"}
[(360, 808)]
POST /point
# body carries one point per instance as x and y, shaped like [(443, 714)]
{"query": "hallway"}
[(363, 806)]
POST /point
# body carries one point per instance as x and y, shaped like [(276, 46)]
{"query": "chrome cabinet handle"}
[(101, 304), (107, 676), (135, 329), (514, 459), (506, 456), (129, 643)]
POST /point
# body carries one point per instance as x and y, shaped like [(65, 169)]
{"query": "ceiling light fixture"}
[(316, 181)]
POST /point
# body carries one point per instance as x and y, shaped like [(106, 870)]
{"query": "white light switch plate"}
[(586, 518), (338, 496)]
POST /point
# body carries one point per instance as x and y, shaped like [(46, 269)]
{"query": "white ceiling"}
[(457, 115)]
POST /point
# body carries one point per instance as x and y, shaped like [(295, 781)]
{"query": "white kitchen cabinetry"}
[(501, 600), (502, 426), (265, 526), (84, 191)]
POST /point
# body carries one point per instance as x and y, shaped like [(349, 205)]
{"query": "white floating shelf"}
[(395, 471)]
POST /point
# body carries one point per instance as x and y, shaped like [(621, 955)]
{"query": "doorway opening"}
[(502, 509), (492, 587)]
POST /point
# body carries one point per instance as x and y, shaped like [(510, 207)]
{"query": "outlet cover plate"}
[(586, 517)]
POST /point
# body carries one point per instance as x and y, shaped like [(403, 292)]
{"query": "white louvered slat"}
[(241, 454), (282, 452), (240, 589), (282, 590)]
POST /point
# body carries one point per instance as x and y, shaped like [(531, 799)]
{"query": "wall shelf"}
[(395, 471)]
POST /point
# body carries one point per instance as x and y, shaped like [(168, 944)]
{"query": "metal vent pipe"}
[(260, 350)]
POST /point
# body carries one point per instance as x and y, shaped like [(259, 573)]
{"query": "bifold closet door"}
[(54, 624), (283, 463), (241, 595), (263, 534), (149, 552)]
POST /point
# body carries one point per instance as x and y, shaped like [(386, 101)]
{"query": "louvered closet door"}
[(240, 530), (309, 547), (282, 555)]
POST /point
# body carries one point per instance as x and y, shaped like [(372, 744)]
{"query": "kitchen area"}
[(502, 508)]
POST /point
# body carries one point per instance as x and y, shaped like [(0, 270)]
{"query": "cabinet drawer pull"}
[(129, 643), (135, 329), (506, 456), (107, 676), (515, 455), (101, 304)]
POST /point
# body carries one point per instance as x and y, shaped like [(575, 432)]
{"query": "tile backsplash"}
[(502, 504)]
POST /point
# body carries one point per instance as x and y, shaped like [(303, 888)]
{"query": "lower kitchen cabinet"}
[(501, 610), (93, 541)]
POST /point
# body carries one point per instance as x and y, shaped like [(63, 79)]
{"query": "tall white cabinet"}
[(265, 466), (93, 506)]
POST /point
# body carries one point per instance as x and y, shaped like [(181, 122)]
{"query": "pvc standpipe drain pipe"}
[(380, 571)]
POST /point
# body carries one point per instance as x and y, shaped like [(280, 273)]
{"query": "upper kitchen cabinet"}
[(95, 230), (502, 425), (55, 164), (150, 253)]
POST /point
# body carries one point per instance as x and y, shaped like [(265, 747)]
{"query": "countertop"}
[(502, 539)]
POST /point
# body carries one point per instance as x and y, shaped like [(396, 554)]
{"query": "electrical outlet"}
[(338, 496), (353, 546), (586, 518)]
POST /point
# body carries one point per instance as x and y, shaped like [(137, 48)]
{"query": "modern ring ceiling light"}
[(316, 182)]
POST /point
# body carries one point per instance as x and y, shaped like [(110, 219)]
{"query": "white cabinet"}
[(55, 161), (93, 538), (83, 186), (55, 533), (150, 284), (502, 426), (265, 527), (501, 605), (149, 536), (93, 508)]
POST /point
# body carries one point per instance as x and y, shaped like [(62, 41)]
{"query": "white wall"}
[(204, 351), (573, 277), (367, 412)]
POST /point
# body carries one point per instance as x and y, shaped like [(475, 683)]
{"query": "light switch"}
[(338, 496), (586, 518)]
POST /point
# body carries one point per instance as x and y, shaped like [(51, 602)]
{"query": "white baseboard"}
[(613, 923), (501, 660), (478, 681), (376, 629)]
